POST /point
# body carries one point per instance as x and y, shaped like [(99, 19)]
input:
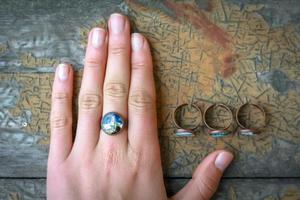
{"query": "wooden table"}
[(220, 51)]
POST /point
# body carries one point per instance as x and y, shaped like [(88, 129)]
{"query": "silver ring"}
[(214, 131), (182, 131), (247, 130), (112, 123)]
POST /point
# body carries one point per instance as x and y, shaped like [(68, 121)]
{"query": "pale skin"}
[(118, 76)]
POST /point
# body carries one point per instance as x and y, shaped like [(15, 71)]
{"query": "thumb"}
[(206, 177)]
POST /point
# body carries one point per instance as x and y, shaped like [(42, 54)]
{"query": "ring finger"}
[(116, 84)]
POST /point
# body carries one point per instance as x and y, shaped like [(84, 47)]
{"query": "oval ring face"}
[(112, 123)]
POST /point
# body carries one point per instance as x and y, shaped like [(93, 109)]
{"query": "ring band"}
[(112, 123), (181, 131), (216, 132), (247, 130)]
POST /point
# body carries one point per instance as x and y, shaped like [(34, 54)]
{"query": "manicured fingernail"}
[(98, 37), (223, 160), (63, 71), (136, 41), (117, 23)]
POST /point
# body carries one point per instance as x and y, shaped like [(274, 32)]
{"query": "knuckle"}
[(143, 159), (92, 63), (58, 122), (117, 49), (115, 90), (136, 159), (60, 96), (86, 163), (89, 101), (141, 100), (111, 158), (138, 65)]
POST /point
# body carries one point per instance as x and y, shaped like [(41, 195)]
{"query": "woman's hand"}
[(118, 76)]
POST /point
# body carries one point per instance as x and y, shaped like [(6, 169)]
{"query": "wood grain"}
[(230, 189)]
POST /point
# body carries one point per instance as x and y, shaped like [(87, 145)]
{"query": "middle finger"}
[(116, 84)]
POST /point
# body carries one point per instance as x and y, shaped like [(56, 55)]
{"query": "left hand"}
[(118, 76)]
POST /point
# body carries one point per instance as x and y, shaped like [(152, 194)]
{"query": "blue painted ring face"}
[(184, 133), (112, 123), (218, 133)]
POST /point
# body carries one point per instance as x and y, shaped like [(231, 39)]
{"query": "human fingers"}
[(90, 96), (206, 178), (61, 114), (142, 127), (117, 77)]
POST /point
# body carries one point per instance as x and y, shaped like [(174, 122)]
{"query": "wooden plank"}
[(227, 55), (25, 189), (230, 189), (248, 189), (21, 155), (26, 115)]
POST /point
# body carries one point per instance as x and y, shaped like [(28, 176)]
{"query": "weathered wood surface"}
[(28, 107), (230, 189), (225, 51), (248, 189)]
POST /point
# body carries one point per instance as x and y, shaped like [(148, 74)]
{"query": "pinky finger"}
[(61, 115)]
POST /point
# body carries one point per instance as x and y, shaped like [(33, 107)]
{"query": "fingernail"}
[(136, 41), (98, 37), (223, 160), (117, 23), (63, 71)]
